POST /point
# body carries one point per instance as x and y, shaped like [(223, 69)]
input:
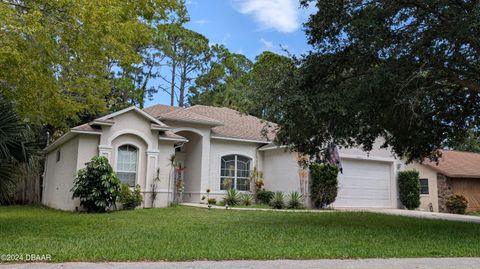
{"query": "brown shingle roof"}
[(185, 115), (234, 123), (86, 127), (457, 164), (158, 110)]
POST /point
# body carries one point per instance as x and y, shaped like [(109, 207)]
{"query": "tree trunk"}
[(183, 82), (172, 91)]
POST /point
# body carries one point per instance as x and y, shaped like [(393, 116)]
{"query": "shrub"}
[(232, 197), (264, 196), (409, 188), (278, 200), (246, 199), (212, 201), (324, 184), (130, 199), (295, 200), (96, 185), (457, 204)]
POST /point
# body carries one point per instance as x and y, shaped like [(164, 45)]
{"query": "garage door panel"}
[(364, 183)]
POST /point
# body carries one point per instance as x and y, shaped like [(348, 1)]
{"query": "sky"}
[(248, 27)]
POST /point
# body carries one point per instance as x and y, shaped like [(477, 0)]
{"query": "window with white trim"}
[(127, 160), (235, 171)]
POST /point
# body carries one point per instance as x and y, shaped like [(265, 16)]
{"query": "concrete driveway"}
[(417, 263), (421, 214), (397, 212)]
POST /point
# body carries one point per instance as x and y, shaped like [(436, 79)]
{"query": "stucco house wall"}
[(59, 176), (280, 170), (432, 196)]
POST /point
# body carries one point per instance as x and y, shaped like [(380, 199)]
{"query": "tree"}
[(223, 82), (56, 57), (187, 52), (471, 143), (17, 147), (404, 71)]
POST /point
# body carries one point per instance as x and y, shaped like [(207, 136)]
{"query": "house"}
[(456, 172), (210, 145)]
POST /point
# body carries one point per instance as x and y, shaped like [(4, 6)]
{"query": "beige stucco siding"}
[(280, 170), (431, 175), (219, 148), (87, 148), (59, 176)]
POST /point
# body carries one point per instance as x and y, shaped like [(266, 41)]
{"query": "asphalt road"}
[(416, 263)]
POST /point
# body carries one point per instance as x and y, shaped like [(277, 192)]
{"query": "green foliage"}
[(212, 201), (278, 200), (264, 196), (246, 199), (324, 184), (130, 199), (457, 204), (234, 81), (58, 57), (17, 147), (409, 188), (295, 200), (187, 52), (96, 185), (470, 143), (232, 198), (399, 70)]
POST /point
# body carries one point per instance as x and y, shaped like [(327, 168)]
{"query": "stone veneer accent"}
[(444, 191)]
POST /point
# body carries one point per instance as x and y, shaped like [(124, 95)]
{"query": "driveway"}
[(417, 263), (397, 212)]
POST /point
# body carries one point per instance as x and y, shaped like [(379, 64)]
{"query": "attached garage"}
[(365, 183)]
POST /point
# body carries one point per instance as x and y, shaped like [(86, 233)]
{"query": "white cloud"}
[(281, 15), (267, 45)]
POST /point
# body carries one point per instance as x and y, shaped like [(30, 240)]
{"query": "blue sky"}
[(248, 27)]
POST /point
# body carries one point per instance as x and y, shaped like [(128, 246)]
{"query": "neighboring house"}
[(210, 144), (456, 172)]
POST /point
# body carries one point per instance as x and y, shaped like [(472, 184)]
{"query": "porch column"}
[(105, 151), (205, 170), (150, 174)]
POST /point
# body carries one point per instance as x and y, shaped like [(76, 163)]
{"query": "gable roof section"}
[(236, 124), (457, 164), (227, 123), (107, 118)]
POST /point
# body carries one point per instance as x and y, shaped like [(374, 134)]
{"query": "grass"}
[(254, 206), (184, 233)]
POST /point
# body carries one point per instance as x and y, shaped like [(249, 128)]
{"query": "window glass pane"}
[(228, 166), (223, 182), (239, 178), (243, 167), (424, 186), (127, 164), (127, 177), (243, 184)]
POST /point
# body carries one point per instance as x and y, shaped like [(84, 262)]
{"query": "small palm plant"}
[(295, 200), (278, 200), (246, 199), (232, 198)]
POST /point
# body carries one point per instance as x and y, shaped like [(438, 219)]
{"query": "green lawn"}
[(183, 233)]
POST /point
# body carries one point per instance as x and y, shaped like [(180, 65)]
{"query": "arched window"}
[(127, 160), (235, 173)]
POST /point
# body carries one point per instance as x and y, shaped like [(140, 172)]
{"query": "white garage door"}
[(364, 183)]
